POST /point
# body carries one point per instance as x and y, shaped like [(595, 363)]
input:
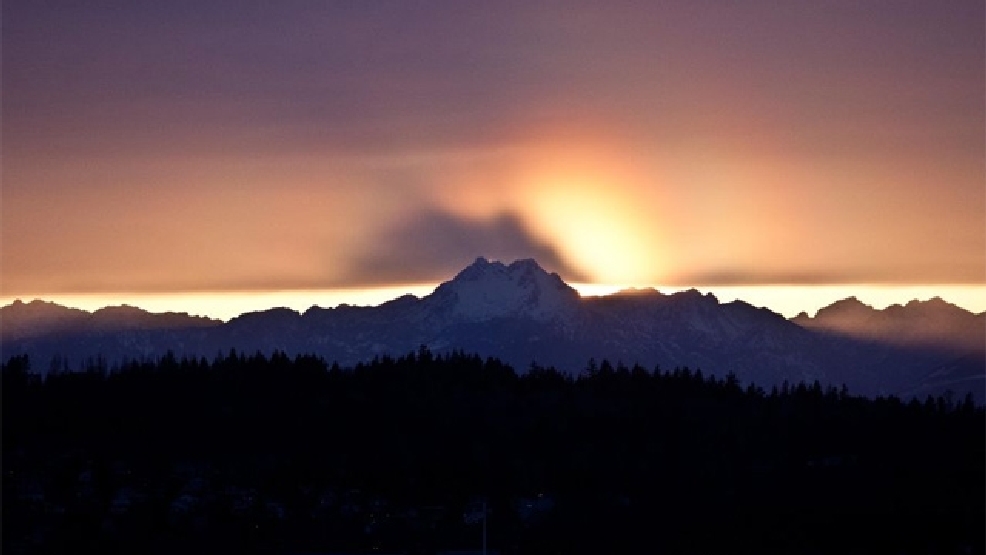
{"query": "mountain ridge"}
[(521, 313)]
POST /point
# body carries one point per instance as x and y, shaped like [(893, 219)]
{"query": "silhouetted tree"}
[(272, 453)]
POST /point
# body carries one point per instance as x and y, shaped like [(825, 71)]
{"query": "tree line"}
[(279, 454)]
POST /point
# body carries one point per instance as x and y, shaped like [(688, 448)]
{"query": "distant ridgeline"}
[(285, 454), (521, 314)]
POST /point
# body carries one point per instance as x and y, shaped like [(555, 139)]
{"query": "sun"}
[(595, 228), (590, 196)]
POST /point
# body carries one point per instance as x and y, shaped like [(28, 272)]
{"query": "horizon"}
[(786, 300)]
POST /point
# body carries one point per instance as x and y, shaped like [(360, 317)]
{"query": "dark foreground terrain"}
[(255, 454)]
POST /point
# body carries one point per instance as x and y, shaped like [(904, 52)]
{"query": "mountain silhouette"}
[(487, 290), (521, 314), (933, 322)]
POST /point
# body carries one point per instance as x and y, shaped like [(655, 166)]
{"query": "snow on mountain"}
[(486, 290)]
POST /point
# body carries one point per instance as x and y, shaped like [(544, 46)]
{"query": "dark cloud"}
[(434, 245)]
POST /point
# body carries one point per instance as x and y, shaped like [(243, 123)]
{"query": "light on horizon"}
[(787, 300)]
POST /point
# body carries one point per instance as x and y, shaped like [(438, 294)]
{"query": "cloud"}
[(434, 245)]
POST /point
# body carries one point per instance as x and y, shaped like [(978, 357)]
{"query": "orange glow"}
[(787, 300), (592, 203), (594, 231)]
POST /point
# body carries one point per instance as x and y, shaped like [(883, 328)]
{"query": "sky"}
[(195, 149)]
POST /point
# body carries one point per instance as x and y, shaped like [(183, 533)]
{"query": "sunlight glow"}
[(787, 300), (584, 200), (594, 235)]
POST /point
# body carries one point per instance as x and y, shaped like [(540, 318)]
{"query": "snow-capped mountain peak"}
[(485, 290)]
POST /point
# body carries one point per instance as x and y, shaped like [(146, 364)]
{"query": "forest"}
[(274, 454)]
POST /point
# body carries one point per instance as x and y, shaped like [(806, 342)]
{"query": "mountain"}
[(21, 320), (931, 322), (24, 321), (523, 314), (487, 290), (947, 342)]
